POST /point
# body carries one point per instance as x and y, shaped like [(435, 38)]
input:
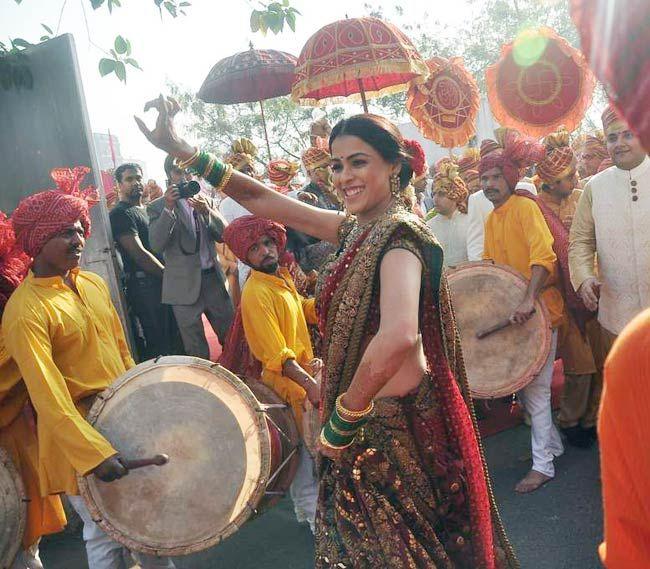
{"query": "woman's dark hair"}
[(383, 136)]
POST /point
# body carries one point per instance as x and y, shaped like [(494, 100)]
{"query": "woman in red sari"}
[(405, 485)]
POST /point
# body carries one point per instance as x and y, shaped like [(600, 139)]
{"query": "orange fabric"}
[(445, 107), (18, 438), (623, 428)]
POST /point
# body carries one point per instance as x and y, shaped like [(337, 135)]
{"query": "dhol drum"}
[(216, 452), (13, 511), (311, 423), (500, 358)]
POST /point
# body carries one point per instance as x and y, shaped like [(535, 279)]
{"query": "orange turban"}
[(41, 216), (281, 172), (316, 157), (448, 180), (595, 144), (609, 116), (242, 154), (469, 160), (606, 163), (559, 159), (242, 234)]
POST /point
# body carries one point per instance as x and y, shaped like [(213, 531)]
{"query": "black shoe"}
[(578, 437), (592, 433)]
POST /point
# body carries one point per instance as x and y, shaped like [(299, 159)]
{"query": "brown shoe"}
[(531, 482)]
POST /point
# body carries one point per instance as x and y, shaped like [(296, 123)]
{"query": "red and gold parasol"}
[(249, 77), (444, 108), (367, 57), (539, 83), (614, 38)]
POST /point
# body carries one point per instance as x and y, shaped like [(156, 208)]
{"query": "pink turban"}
[(515, 153), (41, 216), (242, 234)]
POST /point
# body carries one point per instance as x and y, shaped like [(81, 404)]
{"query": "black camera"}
[(188, 189)]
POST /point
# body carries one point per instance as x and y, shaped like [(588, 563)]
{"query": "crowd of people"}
[(348, 267)]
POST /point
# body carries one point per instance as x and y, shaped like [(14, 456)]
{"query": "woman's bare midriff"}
[(409, 375)]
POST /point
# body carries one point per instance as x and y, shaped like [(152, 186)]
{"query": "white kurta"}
[(620, 212), (451, 232)]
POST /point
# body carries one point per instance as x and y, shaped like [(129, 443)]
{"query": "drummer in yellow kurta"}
[(516, 235), (62, 331), (275, 317)]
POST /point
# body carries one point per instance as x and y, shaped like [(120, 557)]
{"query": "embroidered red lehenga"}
[(412, 491)]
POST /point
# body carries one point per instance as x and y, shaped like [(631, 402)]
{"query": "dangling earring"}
[(394, 185)]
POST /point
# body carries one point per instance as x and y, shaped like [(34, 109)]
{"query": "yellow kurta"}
[(18, 437), (67, 347), (275, 320), (516, 235)]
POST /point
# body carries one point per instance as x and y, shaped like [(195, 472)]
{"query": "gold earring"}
[(394, 185)]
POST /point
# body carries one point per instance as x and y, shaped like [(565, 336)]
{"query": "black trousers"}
[(156, 320)]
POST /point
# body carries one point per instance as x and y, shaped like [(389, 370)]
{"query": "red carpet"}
[(498, 414), (213, 341)]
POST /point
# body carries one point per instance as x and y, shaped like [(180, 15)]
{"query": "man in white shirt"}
[(611, 222), (450, 225)]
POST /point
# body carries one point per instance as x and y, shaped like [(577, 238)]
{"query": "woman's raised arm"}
[(253, 195)]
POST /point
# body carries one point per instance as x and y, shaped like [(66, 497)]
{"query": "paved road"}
[(558, 527)]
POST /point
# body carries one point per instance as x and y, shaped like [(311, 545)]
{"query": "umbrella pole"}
[(266, 134), (363, 96)]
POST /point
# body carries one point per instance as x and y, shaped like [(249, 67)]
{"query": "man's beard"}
[(268, 269)]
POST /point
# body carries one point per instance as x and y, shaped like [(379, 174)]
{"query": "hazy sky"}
[(182, 49)]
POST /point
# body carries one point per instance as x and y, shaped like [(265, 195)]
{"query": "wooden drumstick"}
[(157, 460), (492, 329)]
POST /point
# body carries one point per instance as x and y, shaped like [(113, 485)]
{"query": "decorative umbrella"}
[(539, 83), (444, 108), (361, 56), (249, 77), (614, 38)]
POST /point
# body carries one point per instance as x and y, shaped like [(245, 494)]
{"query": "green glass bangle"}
[(201, 162), (344, 425), (334, 438), (215, 175)]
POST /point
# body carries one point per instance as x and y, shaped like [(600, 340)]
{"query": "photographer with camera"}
[(184, 227), (143, 271)]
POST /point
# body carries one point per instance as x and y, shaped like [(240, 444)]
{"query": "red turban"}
[(515, 153), (13, 263), (242, 234), (41, 216), (418, 161)]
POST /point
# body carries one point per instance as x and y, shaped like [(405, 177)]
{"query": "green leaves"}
[(121, 58), (110, 3), (122, 46), (273, 17)]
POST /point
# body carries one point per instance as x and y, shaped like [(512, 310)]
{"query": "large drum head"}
[(214, 431), (13, 511), (483, 295)]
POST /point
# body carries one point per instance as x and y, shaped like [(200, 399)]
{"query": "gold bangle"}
[(185, 164), (327, 444), (225, 178), (343, 412), (208, 167)]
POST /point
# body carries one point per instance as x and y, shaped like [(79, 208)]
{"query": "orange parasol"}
[(444, 108), (361, 56), (539, 83)]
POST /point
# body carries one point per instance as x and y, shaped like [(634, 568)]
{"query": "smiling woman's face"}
[(361, 176)]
